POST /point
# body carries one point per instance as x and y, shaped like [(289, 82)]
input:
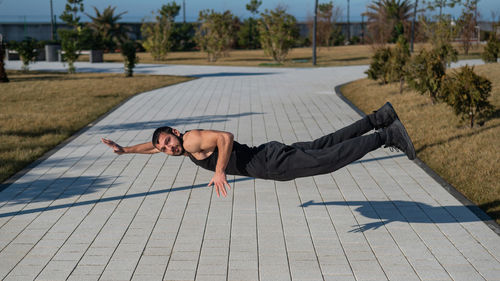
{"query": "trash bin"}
[(51, 52), (96, 56)]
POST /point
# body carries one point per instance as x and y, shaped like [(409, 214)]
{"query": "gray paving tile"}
[(86, 214)]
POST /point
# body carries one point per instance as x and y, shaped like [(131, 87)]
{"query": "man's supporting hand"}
[(220, 183), (118, 149)]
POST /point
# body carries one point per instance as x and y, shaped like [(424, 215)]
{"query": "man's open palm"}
[(220, 183)]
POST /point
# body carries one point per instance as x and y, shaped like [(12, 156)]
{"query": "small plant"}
[(491, 50), (278, 33), (27, 50), (3, 73), (380, 65), (425, 73), (467, 93), (130, 57)]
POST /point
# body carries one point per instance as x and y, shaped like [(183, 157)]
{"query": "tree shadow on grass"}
[(386, 212), (75, 186), (470, 134)]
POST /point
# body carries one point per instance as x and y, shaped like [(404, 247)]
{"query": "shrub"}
[(425, 73), (491, 50), (130, 57), (380, 65), (27, 50), (215, 34), (400, 56), (71, 40), (158, 34), (278, 33), (467, 93), (70, 44)]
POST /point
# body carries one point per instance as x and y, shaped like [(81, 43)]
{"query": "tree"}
[(215, 34), (426, 73), (278, 33), (70, 13), (248, 35), (387, 19), (440, 4), (27, 50), (328, 14), (491, 50), (380, 65), (130, 58), (157, 35), (71, 39), (399, 59), (467, 93), (106, 25), (440, 34), (467, 24), (3, 73)]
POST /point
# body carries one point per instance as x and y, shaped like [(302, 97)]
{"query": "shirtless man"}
[(217, 151)]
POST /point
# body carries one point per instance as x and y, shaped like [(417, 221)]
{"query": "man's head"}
[(168, 140)]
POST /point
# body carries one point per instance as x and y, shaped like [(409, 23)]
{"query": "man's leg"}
[(289, 162), (380, 118), (295, 162)]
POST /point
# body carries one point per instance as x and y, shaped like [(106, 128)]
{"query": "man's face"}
[(169, 144)]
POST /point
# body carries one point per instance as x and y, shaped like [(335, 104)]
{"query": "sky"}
[(39, 10)]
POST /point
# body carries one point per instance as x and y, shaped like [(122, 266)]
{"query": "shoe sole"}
[(410, 153)]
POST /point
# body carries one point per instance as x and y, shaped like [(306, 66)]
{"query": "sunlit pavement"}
[(85, 213)]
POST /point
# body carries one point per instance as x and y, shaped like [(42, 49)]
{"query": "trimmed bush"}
[(491, 50), (426, 73), (130, 57), (27, 50), (399, 59), (380, 65), (467, 93)]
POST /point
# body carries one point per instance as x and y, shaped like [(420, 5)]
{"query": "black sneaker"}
[(397, 137), (384, 116)]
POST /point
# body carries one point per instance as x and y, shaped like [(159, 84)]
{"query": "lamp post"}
[(184, 10), (52, 31), (348, 23), (314, 31)]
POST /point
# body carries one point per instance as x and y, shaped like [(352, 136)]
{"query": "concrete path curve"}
[(87, 214)]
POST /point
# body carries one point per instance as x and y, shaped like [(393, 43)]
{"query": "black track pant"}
[(323, 155)]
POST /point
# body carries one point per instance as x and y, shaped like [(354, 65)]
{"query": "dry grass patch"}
[(40, 110), (298, 57), (466, 158)]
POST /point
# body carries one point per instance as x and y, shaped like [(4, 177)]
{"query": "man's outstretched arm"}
[(142, 148)]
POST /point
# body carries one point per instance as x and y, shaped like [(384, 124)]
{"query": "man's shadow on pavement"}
[(386, 212)]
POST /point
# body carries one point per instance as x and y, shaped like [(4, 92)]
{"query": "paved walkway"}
[(87, 214)]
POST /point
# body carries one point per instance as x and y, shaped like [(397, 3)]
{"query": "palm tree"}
[(106, 25), (387, 19)]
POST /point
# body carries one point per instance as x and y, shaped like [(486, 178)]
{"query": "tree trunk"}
[(471, 114)]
